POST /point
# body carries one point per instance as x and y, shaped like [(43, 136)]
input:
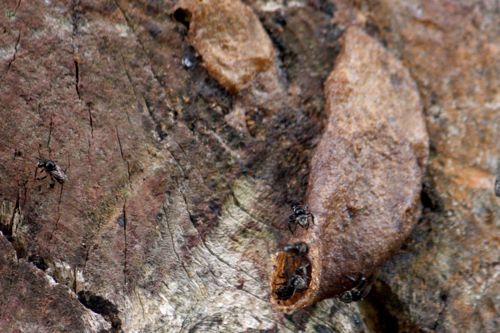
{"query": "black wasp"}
[(360, 290), (300, 216), (298, 281), (52, 169)]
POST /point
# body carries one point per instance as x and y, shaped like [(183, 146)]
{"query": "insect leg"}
[(60, 192), (359, 291), (52, 182)]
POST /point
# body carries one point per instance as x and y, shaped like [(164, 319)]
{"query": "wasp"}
[(360, 290), (296, 282), (300, 216), (52, 169), (299, 248)]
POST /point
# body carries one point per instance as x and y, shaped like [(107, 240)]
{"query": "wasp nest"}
[(365, 180), (230, 39)]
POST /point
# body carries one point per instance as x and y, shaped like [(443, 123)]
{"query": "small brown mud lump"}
[(230, 39), (366, 173)]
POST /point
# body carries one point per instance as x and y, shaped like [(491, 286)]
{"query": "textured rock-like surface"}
[(201, 178), (168, 211), (230, 39), (33, 302), (366, 173), (446, 278)]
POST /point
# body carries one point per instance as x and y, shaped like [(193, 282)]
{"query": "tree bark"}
[(178, 189)]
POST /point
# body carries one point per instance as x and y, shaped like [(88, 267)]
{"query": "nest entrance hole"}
[(285, 267)]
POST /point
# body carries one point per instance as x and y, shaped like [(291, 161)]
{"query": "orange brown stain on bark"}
[(470, 177)]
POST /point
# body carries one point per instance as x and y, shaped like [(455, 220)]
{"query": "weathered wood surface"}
[(177, 192)]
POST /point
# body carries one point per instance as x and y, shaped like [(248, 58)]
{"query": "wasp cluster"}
[(295, 273), (294, 270)]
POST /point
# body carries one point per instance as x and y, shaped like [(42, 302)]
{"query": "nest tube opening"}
[(291, 277)]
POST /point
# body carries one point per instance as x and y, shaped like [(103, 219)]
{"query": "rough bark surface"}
[(446, 278), (33, 302), (177, 192)]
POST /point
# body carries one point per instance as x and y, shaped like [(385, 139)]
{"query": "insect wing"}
[(59, 175)]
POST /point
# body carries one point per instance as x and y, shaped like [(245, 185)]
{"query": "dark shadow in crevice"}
[(182, 16), (38, 261), (431, 202), (102, 306), (383, 311)]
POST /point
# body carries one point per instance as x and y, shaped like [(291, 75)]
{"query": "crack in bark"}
[(25, 193), (90, 142), (255, 296), (183, 172), (440, 317), (124, 213), (58, 207), (14, 213), (51, 128), (74, 280), (115, 321), (188, 315), (129, 78), (139, 41), (55, 226), (110, 316), (123, 156), (102, 306), (127, 74), (158, 127), (238, 204), (157, 124), (194, 226), (89, 158), (16, 49), (224, 146), (9, 231), (58, 214), (159, 132), (208, 248), (75, 12), (17, 7), (173, 246), (216, 256), (75, 17), (77, 80), (140, 302), (87, 255)]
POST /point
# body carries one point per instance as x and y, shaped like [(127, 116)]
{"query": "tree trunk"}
[(180, 168)]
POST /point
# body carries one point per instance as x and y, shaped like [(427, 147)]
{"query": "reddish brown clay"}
[(230, 39)]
